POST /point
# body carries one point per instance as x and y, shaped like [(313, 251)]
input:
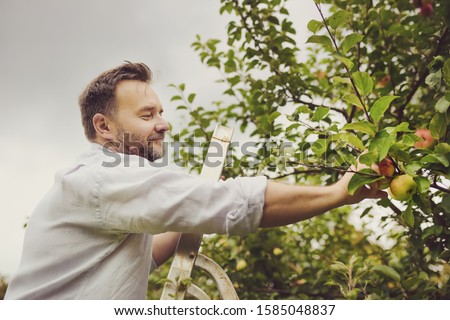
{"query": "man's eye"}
[(146, 116)]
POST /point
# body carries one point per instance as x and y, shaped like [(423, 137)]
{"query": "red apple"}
[(321, 74), (387, 167), (383, 183), (428, 141), (426, 10), (384, 81), (402, 187)]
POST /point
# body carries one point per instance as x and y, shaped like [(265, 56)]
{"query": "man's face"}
[(138, 123)]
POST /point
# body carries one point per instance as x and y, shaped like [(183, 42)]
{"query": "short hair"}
[(99, 96)]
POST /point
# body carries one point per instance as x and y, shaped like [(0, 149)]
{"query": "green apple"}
[(402, 187), (277, 251), (241, 264)]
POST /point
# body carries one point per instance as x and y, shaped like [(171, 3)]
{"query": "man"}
[(111, 218)]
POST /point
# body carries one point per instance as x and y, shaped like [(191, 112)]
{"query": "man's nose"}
[(162, 126)]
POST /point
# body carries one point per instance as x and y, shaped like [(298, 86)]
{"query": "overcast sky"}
[(50, 50)]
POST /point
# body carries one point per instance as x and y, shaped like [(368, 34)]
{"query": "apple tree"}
[(371, 82)]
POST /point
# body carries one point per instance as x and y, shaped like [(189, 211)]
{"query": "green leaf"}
[(368, 158), (412, 168), (320, 40), (227, 7), (402, 127), (320, 113), (365, 176), (175, 98), (446, 72), (435, 158), (408, 215), (319, 147), (337, 79), (314, 26), (362, 126), (350, 41), (442, 148), (273, 116), (230, 66), (347, 62), (381, 144), (339, 18), (434, 79), (352, 99), (387, 271), (442, 105), (350, 138), (363, 82), (431, 231), (339, 267), (436, 64), (273, 20), (409, 139), (423, 184), (191, 97), (303, 109), (380, 106), (438, 125)]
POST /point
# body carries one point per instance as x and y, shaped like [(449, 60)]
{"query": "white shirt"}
[(91, 236)]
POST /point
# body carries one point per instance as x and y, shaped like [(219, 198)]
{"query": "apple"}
[(387, 167), (277, 251), (402, 187), (426, 10), (321, 74), (241, 264), (384, 81), (428, 141), (383, 183)]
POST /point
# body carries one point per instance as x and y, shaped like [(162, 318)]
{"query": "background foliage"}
[(371, 74)]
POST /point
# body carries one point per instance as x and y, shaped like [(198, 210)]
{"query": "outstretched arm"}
[(287, 204)]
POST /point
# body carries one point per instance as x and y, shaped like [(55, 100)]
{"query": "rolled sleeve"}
[(248, 217), (142, 199)]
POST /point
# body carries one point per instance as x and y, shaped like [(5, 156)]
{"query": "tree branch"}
[(346, 68), (422, 76), (315, 106), (438, 187)]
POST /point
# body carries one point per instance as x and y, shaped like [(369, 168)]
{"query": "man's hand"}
[(371, 191)]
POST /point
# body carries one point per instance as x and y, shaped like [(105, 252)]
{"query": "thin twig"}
[(438, 187), (346, 68), (422, 76)]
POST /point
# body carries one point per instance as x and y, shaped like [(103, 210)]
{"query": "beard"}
[(150, 148)]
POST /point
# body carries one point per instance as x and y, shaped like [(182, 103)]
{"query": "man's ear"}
[(103, 126)]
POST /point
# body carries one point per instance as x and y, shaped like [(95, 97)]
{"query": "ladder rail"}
[(187, 249)]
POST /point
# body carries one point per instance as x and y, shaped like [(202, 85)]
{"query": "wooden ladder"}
[(186, 255)]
